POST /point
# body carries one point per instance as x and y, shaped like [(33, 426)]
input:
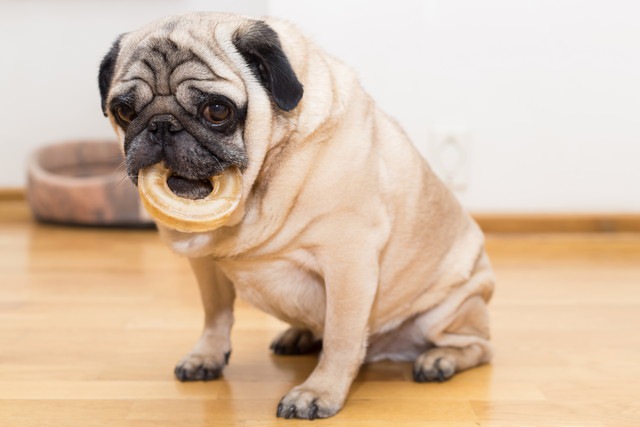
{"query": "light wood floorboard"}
[(93, 320)]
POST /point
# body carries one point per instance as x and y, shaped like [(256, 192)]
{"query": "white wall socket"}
[(449, 156)]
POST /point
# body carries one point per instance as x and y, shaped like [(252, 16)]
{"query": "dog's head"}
[(177, 91)]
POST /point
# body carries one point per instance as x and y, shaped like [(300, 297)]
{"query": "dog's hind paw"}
[(296, 341), (434, 366)]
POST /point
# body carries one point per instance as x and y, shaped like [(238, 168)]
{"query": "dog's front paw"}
[(200, 367), (306, 403), (296, 341)]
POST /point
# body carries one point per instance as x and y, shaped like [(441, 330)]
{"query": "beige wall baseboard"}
[(12, 193), (507, 223), (559, 223)]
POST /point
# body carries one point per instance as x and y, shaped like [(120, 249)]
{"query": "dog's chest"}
[(286, 286)]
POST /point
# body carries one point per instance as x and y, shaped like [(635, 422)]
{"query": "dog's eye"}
[(125, 113), (216, 113)]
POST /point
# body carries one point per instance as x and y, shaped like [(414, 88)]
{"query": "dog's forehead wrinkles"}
[(190, 71), (213, 56), (159, 57), (175, 56)]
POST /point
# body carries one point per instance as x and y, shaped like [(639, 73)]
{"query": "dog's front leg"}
[(350, 290), (211, 353)]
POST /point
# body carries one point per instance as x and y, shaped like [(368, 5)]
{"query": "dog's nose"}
[(163, 123)]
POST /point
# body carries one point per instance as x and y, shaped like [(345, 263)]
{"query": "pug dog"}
[(342, 230)]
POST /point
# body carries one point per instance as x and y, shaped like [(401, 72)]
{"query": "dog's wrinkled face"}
[(174, 108), (181, 100)]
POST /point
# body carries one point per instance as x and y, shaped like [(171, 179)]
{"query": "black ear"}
[(105, 76), (260, 47)]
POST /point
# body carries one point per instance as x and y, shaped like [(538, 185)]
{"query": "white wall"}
[(547, 90)]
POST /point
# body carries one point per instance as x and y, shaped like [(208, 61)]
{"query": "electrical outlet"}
[(449, 156)]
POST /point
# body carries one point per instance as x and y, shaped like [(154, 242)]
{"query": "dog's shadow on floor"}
[(385, 371)]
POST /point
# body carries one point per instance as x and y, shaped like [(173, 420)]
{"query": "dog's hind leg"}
[(211, 353), (457, 331)]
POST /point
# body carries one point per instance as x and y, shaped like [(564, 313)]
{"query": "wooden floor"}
[(92, 322)]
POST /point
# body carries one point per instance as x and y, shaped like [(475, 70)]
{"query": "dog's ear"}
[(260, 46), (107, 68)]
